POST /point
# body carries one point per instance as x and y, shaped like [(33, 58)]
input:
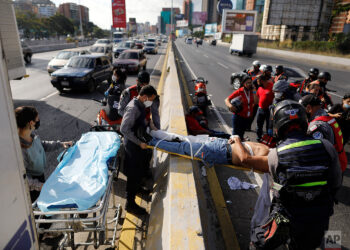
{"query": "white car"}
[(101, 50), (62, 58), (189, 40)]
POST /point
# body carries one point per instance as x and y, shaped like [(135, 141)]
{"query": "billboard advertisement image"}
[(239, 21), (182, 23), (210, 29), (119, 14), (199, 18)]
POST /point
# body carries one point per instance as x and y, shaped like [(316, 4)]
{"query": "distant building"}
[(293, 25), (132, 25), (46, 10), (210, 6), (239, 4), (187, 10), (24, 5), (165, 18), (154, 29), (341, 22), (147, 27), (71, 10), (257, 5)]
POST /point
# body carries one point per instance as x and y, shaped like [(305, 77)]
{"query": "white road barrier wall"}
[(174, 217)]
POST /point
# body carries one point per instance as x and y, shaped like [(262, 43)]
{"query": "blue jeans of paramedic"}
[(239, 125), (263, 116), (211, 152)]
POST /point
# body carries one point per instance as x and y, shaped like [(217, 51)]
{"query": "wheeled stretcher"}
[(76, 196)]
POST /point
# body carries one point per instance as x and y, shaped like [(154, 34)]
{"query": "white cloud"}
[(100, 11)]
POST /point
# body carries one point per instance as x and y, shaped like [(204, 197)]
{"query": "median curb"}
[(174, 221)]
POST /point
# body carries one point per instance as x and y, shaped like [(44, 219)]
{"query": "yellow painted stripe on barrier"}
[(227, 228), (127, 236), (228, 232), (162, 76)]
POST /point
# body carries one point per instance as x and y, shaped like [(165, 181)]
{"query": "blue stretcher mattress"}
[(81, 178)]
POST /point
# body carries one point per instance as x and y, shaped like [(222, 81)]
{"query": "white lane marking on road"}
[(155, 66), (48, 96), (206, 56), (222, 65), (258, 178), (335, 94)]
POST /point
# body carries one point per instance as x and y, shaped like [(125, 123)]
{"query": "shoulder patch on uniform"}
[(313, 128), (317, 135)]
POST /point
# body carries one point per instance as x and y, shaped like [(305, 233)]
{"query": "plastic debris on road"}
[(236, 184)]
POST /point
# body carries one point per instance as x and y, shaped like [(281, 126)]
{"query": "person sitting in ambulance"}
[(33, 148)]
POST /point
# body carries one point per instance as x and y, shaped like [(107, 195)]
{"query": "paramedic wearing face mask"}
[(137, 158), (33, 148)]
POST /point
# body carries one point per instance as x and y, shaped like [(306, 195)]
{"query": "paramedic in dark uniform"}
[(133, 128), (306, 175)]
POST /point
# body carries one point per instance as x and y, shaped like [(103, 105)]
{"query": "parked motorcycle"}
[(200, 97), (108, 119)]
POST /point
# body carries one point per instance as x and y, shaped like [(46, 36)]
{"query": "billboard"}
[(198, 29), (239, 21), (295, 12), (210, 29), (182, 23), (119, 14), (199, 18)]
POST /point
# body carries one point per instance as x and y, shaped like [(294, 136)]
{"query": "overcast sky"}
[(143, 10)]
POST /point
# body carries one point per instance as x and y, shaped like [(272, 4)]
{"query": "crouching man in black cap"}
[(306, 175)]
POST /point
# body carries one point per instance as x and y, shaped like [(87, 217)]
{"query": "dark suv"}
[(83, 72)]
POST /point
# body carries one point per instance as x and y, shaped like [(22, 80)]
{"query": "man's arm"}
[(256, 162), (128, 122), (124, 100), (155, 112), (321, 130)]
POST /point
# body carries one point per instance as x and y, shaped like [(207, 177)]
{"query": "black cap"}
[(310, 99)]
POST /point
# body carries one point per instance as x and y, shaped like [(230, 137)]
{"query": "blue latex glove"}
[(270, 132), (106, 93)]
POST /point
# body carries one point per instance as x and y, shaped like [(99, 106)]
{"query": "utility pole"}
[(81, 23), (172, 17)]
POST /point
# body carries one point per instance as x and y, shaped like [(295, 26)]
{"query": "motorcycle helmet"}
[(256, 64), (237, 103), (245, 77), (279, 68), (280, 88), (287, 113), (268, 68), (313, 72), (262, 67), (143, 77), (325, 75), (195, 109)]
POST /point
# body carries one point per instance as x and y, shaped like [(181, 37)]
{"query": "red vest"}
[(338, 137), (134, 93)]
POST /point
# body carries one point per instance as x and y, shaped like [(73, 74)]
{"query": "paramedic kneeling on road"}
[(306, 176), (33, 149), (133, 127)]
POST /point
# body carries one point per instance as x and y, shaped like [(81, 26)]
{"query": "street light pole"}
[(81, 23), (171, 30)]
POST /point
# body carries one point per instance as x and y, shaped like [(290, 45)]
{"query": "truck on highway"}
[(17, 229), (244, 44)]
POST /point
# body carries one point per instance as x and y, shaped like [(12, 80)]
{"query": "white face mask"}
[(114, 78), (148, 103)]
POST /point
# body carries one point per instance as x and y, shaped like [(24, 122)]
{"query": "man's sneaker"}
[(133, 208)]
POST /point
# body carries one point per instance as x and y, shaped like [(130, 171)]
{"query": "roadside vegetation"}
[(33, 26)]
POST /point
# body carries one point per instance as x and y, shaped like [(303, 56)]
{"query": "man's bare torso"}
[(257, 148)]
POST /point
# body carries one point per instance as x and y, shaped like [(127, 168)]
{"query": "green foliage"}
[(199, 34), (57, 25)]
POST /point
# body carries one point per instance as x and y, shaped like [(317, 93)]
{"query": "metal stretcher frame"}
[(90, 220), (198, 159)]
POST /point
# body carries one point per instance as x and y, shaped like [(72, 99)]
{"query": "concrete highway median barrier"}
[(174, 221)]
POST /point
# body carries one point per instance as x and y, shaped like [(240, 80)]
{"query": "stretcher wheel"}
[(101, 238)]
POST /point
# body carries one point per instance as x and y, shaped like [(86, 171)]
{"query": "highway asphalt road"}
[(216, 65)]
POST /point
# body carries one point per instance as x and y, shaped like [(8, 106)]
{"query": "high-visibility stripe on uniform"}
[(311, 184), (298, 144)]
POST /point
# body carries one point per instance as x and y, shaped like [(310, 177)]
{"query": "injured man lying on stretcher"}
[(210, 150)]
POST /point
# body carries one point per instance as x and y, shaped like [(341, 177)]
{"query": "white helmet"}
[(262, 67), (256, 63)]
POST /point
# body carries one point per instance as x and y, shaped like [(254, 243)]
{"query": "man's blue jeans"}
[(211, 152), (239, 125), (263, 116)]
